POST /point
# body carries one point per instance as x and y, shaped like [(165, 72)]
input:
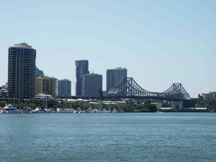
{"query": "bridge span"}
[(128, 88)]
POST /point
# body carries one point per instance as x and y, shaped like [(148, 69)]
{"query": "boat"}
[(79, 111), (104, 111), (10, 109), (60, 110), (114, 111), (37, 110), (74, 111), (1, 111), (96, 111), (89, 110)]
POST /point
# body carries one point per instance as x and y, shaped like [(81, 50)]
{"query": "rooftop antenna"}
[(92, 71)]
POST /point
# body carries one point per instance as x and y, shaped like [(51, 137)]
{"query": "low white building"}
[(43, 96)]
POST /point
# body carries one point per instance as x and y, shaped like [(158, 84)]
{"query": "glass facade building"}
[(92, 83), (64, 88), (21, 71), (114, 76), (81, 69)]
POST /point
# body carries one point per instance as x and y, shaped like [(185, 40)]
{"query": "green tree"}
[(151, 107), (166, 104), (2, 103)]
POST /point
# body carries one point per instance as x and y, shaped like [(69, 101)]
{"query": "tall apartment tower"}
[(21, 71), (64, 88), (81, 69), (47, 85), (38, 72), (92, 83), (114, 76)]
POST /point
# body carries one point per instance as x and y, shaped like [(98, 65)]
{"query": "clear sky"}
[(160, 42)]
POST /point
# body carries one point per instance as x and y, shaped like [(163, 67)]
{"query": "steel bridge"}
[(128, 88)]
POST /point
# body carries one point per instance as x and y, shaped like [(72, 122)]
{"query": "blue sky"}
[(160, 42)]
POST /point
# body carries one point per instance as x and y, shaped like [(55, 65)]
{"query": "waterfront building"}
[(92, 83), (81, 69), (64, 88), (210, 95), (43, 96), (38, 72), (47, 85), (3, 92), (21, 71), (114, 76)]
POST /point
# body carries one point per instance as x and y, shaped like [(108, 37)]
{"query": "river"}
[(108, 137)]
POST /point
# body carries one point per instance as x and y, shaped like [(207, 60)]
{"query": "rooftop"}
[(118, 68), (23, 45), (92, 74)]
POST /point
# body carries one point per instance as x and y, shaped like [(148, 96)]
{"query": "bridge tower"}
[(174, 103)]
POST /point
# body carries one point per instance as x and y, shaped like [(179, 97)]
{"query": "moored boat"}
[(37, 110), (114, 111), (10, 109)]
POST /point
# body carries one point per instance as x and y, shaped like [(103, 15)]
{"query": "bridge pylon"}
[(180, 104)]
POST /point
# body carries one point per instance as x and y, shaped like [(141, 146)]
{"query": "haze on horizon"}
[(159, 42)]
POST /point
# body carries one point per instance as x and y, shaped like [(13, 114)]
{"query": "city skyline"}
[(159, 43)]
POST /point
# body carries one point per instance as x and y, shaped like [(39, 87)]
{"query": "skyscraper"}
[(47, 85), (64, 88), (92, 83), (114, 76), (21, 71), (81, 69)]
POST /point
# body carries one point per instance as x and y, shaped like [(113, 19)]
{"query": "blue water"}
[(108, 137)]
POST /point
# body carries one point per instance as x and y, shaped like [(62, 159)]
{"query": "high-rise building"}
[(81, 69), (38, 72), (21, 71), (47, 85), (64, 88), (92, 83), (114, 76)]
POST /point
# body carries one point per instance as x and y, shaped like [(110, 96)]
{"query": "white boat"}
[(96, 111), (104, 111), (10, 109), (79, 110), (60, 110), (114, 111), (37, 110), (1, 111), (89, 110), (74, 111)]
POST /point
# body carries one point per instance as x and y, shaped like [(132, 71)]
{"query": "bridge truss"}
[(128, 87)]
